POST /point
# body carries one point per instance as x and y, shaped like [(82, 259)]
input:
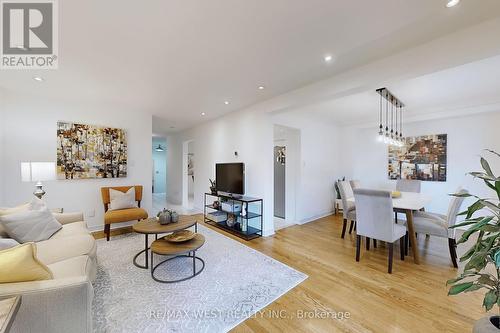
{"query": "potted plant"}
[(213, 188), (482, 268)]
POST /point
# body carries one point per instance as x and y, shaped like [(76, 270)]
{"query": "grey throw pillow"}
[(7, 243), (30, 226)]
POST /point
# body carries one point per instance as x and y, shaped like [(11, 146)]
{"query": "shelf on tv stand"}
[(252, 216)]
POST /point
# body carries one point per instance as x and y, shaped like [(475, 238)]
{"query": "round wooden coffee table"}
[(177, 250), (151, 226)]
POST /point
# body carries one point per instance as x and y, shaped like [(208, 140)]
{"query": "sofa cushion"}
[(6, 211), (20, 264), (124, 215), (7, 243), (12, 210), (58, 249), (31, 225), (73, 267), (71, 229)]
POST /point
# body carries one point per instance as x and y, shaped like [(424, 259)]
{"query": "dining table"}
[(407, 203)]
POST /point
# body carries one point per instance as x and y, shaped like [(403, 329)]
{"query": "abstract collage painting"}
[(87, 151), (421, 157)]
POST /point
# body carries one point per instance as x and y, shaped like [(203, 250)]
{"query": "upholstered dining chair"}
[(374, 220), (439, 225), (121, 215), (355, 184), (348, 208), (408, 185)]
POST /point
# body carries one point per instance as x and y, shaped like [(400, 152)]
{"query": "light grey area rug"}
[(236, 283)]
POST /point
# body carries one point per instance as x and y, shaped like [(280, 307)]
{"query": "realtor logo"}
[(29, 34)]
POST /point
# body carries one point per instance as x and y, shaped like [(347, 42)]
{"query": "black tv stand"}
[(247, 227)]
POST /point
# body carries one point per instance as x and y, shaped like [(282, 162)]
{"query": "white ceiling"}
[(468, 88), (178, 58)]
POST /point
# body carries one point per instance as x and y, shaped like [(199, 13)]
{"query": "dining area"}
[(396, 218)]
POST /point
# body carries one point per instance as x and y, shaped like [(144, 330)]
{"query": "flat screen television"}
[(230, 178)]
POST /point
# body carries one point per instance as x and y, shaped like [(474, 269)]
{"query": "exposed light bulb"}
[(452, 3)]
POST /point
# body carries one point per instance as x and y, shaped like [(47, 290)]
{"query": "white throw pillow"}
[(7, 243), (12, 210), (121, 200), (31, 225)]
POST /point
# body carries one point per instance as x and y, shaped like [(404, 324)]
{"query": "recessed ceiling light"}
[(328, 58), (203, 113), (226, 102), (38, 78), (452, 3), (261, 87)]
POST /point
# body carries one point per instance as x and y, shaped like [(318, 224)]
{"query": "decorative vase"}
[(174, 217), (488, 324), (164, 217), (230, 220)]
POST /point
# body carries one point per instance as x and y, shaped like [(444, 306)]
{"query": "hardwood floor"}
[(411, 299)]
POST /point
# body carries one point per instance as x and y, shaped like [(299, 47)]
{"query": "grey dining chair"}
[(348, 208), (408, 185), (439, 225), (374, 220)]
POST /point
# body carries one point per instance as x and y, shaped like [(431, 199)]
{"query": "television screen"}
[(230, 177)]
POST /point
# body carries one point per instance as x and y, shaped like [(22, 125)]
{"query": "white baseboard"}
[(316, 217)]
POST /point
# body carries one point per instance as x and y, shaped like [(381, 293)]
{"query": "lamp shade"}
[(38, 171)]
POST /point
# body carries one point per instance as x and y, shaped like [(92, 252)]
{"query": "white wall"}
[(365, 159), (319, 164), (30, 135), (248, 132), (2, 130), (160, 165)]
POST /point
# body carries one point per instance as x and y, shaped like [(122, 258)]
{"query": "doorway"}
[(159, 171), (188, 174), (286, 175)]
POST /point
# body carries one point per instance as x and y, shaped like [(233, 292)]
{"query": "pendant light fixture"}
[(159, 148), (394, 137), (381, 128)]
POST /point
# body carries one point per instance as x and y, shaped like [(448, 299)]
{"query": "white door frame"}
[(185, 177)]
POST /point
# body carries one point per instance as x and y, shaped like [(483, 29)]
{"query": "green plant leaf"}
[(458, 288), (490, 205), (473, 288), (475, 228), (490, 299), (474, 208), (493, 152), (462, 224), (477, 261), (485, 279), (455, 280), (483, 175), (468, 254), (461, 195), (496, 257), (486, 167)]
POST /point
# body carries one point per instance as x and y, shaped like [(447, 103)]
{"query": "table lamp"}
[(38, 172)]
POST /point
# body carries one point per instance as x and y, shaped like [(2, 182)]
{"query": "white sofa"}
[(63, 304)]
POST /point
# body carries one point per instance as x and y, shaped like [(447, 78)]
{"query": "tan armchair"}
[(122, 215)]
